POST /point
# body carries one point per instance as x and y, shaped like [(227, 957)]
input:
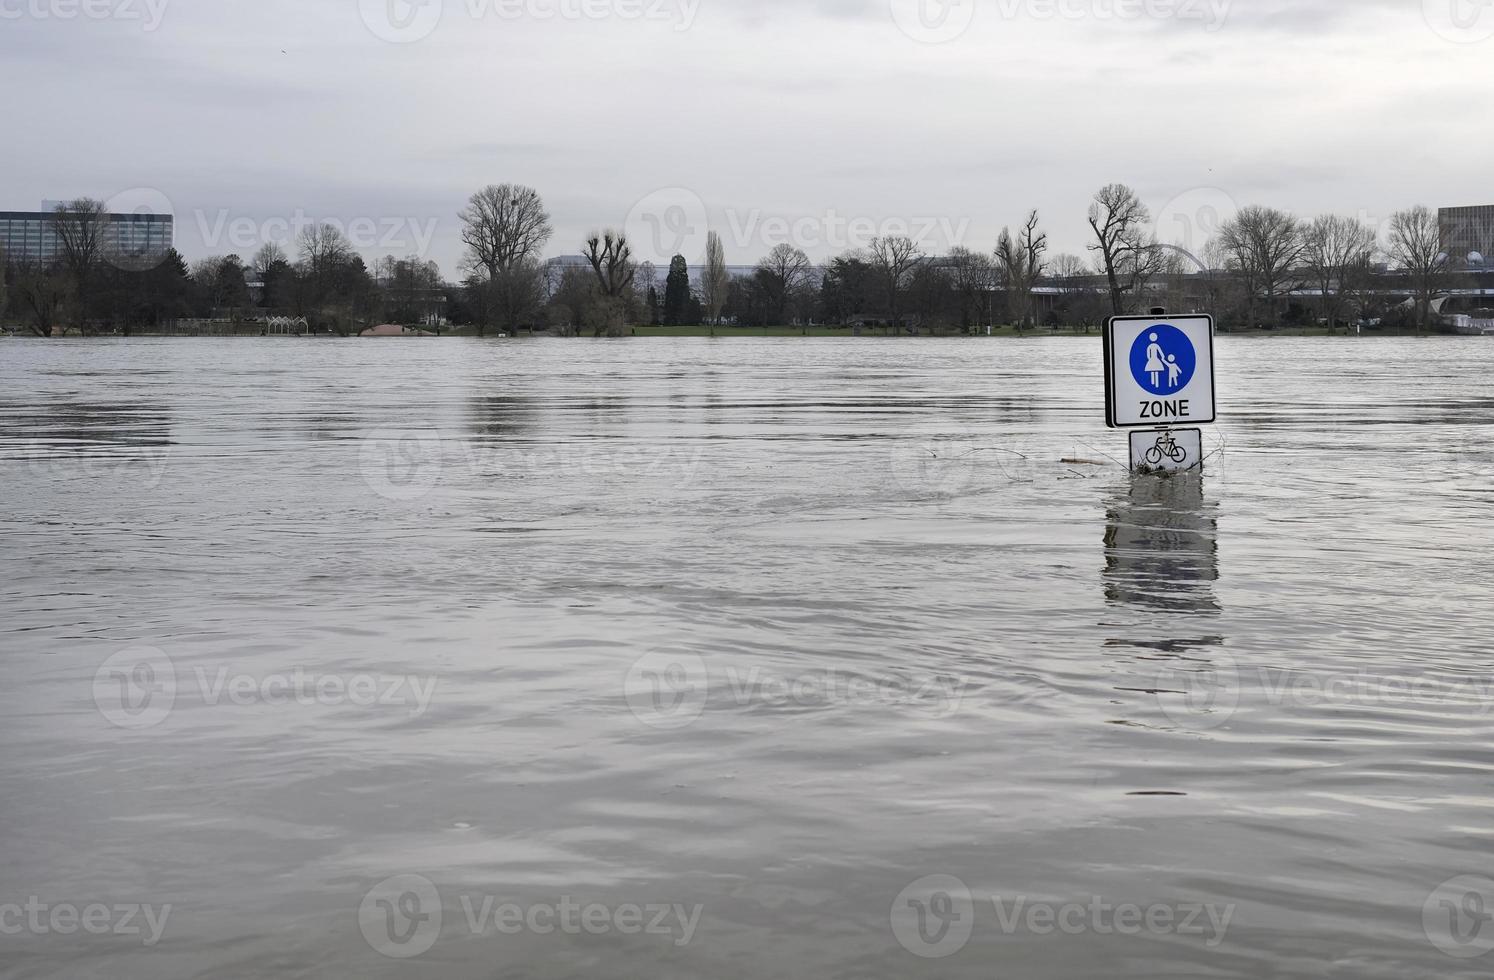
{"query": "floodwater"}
[(740, 658)]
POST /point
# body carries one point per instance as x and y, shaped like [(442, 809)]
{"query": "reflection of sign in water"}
[(1159, 370), (1167, 449), (1160, 550), (1162, 360), (1161, 558)]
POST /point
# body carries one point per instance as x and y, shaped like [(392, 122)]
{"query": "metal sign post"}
[(1159, 373)]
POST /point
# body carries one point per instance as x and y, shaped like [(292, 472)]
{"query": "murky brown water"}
[(740, 658)]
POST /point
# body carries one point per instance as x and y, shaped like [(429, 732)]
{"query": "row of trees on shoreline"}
[(1257, 260), (1249, 274)]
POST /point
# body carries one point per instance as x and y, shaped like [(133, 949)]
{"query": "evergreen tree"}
[(164, 290), (279, 280), (676, 292)]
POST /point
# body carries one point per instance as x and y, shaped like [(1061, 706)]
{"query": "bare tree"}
[(1223, 292), (81, 228), (611, 258), (1172, 271), (1416, 246), (1080, 304), (1337, 252), (1066, 265), (1265, 247), (205, 273), (785, 273), (410, 288), (714, 280), (645, 277), (1127, 252), (973, 275), (41, 289), (1020, 264), (1009, 272), (1356, 293), (1034, 243), (517, 292), (204, 269), (573, 290), (503, 225), (646, 292), (269, 255), (930, 289), (892, 258), (323, 251)]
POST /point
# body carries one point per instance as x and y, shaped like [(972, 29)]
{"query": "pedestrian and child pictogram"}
[(1163, 360)]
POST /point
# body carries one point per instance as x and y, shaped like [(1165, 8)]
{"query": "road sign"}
[(1159, 370), (1166, 449)]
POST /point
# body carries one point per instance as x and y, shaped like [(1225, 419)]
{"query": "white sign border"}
[(1110, 386)]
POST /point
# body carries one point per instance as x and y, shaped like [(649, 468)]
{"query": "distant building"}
[(1467, 232), (31, 235)]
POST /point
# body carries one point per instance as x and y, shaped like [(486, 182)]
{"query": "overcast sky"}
[(816, 122)]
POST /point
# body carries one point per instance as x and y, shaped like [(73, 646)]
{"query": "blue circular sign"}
[(1163, 360)]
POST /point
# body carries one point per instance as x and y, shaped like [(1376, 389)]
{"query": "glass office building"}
[(1467, 230), (33, 235)]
